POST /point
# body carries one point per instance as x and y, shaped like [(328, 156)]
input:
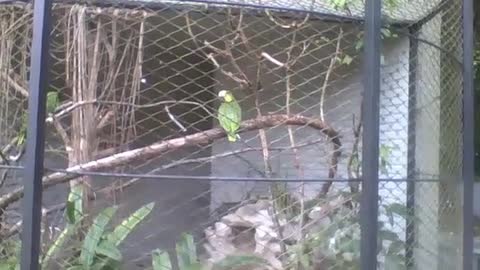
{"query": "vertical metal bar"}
[(370, 138), (411, 164), (468, 164), (35, 136)]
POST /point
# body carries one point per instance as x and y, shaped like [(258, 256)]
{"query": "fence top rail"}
[(403, 13)]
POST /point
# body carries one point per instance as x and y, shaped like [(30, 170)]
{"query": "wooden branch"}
[(158, 148), (15, 85), (329, 71)]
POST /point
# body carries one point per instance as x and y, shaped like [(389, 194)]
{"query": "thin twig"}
[(271, 59), (15, 85), (174, 119), (327, 76)]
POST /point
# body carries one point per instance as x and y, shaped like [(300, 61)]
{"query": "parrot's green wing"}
[(230, 116), (52, 101)]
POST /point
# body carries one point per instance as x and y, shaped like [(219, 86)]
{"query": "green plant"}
[(187, 258), (339, 241), (99, 249), (9, 254)]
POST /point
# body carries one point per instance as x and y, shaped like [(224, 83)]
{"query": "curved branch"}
[(158, 148)]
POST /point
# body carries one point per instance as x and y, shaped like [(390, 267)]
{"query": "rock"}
[(228, 237)]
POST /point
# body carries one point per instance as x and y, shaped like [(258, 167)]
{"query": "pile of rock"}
[(254, 229)]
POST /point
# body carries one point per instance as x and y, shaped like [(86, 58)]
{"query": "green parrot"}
[(52, 101), (52, 104), (229, 115)]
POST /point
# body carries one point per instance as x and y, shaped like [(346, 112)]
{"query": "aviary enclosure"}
[(354, 146)]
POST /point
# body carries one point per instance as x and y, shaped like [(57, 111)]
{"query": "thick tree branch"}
[(158, 148)]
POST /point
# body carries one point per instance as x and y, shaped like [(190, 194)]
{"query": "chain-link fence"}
[(218, 135)]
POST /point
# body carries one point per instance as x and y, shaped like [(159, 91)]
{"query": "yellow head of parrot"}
[(226, 95)]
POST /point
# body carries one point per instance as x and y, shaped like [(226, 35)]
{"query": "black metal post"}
[(370, 138), (468, 164), (35, 136), (411, 164)]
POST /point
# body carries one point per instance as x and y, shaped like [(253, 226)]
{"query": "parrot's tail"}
[(232, 138)]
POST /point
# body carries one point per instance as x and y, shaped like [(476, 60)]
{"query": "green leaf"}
[(386, 32), (56, 246), (106, 264), (70, 212), (347, 60), (359, 45), (93, 236), (108, 249), (186, 251), (161, 260), (8, 265), (193, 266), (75, 267), (74, 206), (126, 227), (232, 262)]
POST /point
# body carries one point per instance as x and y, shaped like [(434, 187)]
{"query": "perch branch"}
[(158, 148), (203, 160)]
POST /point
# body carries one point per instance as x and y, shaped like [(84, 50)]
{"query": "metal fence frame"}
[(36, 134)]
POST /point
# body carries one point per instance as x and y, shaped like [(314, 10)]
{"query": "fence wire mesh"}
[(141, 175)]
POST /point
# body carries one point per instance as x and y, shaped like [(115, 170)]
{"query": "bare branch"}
[(63, 134), (158, 148), (271, 59), (327, 76), (15, 85), (276, 22), (226, 73)]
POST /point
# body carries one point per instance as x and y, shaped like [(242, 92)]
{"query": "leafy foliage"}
[(99, 250), (10, 251), (187, 258), (339, 240)]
